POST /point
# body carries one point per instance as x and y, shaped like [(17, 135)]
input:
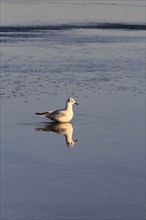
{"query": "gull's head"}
[(71, 101)]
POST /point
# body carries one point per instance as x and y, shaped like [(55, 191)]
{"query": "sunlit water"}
[(93, 167)]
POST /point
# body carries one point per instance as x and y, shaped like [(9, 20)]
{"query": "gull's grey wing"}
[(58, 114)]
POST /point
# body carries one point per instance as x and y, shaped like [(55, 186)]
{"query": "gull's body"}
[(61, 115)]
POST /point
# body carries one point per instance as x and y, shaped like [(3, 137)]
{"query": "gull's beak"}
[(76, 103)]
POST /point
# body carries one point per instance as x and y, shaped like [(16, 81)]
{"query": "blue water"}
[(93, 51)]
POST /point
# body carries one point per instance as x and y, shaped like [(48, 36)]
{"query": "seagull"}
[(61, 115)]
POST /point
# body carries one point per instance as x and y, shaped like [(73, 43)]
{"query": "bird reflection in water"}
[(65, 129)]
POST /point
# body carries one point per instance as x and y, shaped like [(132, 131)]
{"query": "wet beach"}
[(94, 166)]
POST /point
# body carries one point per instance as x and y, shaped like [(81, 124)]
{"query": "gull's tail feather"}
[(44, 114), (41, 113)]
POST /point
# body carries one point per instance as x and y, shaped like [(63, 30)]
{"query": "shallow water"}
[(93, 167), (101, 176)]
